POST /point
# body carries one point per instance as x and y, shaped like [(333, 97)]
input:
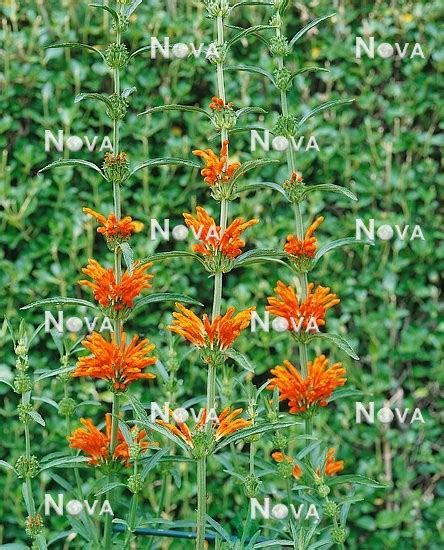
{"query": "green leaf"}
[(311, 69), (109, 487), (159, 256), (27, 498), (324, 107), (258, 255), (143, 419), (76, 45), (64, 461), (99, 97), (128, 256), (109, 10), (128, 91), (331, 187), (357, 479), (165, 161), (251, 69), (37, 418), (251, 165), (7, 466), (308, 27), (72, 162), (61, 300), (132, 7), (189, 108), (345, 392), (339, 341), (165, 297), (3, 381), (247, 432), (260, 184), (251, 3), (240, 359), (55, 372), (338, 244), (248, 110), (153, 461), (245, 33), (46, 400)]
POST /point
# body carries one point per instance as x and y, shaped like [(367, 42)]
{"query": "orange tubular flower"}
[(280, 457), (96, 444), (302, 394), (215, 240), (217, 104), (287, 306), (332, 466), (217, 335), (119, 364), (115, 230), (215, 170), (307, 246), (227, 422), (113, 295)]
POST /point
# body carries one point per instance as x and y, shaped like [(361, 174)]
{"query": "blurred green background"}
[(385, 147)]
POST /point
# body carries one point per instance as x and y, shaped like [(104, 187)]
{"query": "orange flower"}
[(113, 229), (96, 444), (218, 334), (280, 457), (215, 240), (217, 104), (307, 246), (111, 294), (332, 466), (215, 170), (119, 364), (315, 389), (226, 423), (314, 307)]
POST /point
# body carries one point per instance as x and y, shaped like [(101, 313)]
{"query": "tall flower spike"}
[(116, 298), (213, 338), (119, 364), (219, 247), (309, 314), (303, 394), (96, 444), (115, 231), (302, 251)]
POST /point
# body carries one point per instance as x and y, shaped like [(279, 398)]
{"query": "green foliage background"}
[(385, 147)]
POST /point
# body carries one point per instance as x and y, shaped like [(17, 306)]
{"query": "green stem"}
[(201, 502), (132, 512)]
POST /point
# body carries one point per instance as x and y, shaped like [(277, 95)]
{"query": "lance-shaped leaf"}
[(153, 461), (109, 10), (165, 161), (55, 372), (251, 3), (258, 429), (60, 301), (251, 69), (159, 256), (99, 97), (140, 50), (250, 165), (339, 341), (72, 162), (248, 110), (128, 256), (306, 70), (165, 297), (37, 417), (258, 255), (332, 188), (307, 27), (129, 10), (357, 479), (188, 108), (345, 392), (338, 244), (109, 487), (240, 129), (240, 359), (263, 184), (8, 466), (144, 421), (64, 462), (128, 91), (324, 107), (245, 33), (75, 45)]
